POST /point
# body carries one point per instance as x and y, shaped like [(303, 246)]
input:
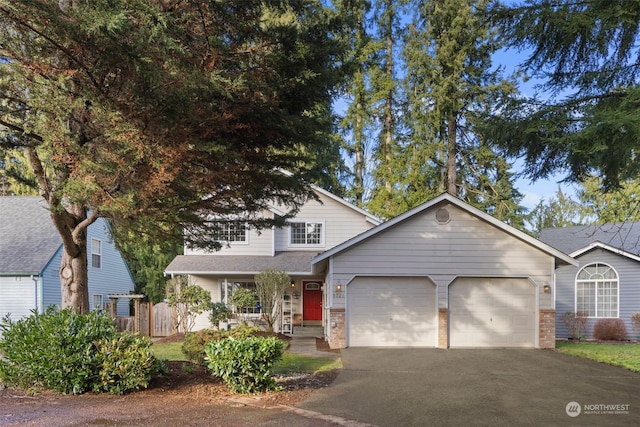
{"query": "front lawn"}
[(290, 362), (624, 355)]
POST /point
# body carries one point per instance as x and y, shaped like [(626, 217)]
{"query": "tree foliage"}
[(585, 52), (160, 115), (189, 300)]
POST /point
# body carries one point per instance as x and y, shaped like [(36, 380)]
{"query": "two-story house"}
[(320, 225)]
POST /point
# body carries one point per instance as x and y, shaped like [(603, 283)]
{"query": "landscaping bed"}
[(185, 390)]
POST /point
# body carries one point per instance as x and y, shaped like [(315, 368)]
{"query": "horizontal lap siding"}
[(341, 223), (18, 296), (113, 276), (464, 246)]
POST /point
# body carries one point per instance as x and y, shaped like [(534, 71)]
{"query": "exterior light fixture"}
[(338, 287), (547, 289)]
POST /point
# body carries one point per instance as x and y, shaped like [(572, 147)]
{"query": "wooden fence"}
[(155, 320)]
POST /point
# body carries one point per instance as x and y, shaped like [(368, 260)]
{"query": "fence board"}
[(163, 320)]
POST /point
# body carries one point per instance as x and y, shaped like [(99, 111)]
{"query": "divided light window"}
[(96, 253), (306, 233), (597, 291), (231, 232)]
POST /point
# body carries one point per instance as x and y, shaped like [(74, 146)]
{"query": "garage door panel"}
[(492, 313), (391, 311)]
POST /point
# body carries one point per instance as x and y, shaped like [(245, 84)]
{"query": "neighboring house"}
[(30, 254), (319, 225), (443, 274), (606, 283)]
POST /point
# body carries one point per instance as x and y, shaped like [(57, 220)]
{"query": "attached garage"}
[(392, 312), (443, 274), (492, 312)]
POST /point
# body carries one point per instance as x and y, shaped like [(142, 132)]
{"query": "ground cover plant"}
[(624, 355)]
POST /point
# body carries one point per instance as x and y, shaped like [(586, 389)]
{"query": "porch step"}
[(308, 331)]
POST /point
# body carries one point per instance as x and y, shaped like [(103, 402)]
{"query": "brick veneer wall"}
[(337, 335), (547, 326), (443, 332)]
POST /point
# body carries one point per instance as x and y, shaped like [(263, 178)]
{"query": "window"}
[(96, 253), (227, 288), (97, 302), (597, 291), (306, 233), (232, 232)]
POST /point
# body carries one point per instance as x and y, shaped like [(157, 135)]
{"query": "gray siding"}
[(466, 246), (629, 288)]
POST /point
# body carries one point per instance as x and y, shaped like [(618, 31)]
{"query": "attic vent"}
[(442, 216)]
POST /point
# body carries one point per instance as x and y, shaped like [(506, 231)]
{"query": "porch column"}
[(337, 333)]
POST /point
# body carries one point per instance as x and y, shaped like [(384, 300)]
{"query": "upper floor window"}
[(306, 233), (232, 232), (597, 291), (96, 253)]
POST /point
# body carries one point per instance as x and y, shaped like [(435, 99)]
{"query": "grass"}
[(290, 362), (299, 363), (624, 355), (169, 351)]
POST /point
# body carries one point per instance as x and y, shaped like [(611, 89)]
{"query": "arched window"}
[(597, 291)]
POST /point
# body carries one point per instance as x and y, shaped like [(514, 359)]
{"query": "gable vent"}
[(442, 216)]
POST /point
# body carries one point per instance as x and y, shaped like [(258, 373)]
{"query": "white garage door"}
[(17, 296), (492, 313), (391, 312)]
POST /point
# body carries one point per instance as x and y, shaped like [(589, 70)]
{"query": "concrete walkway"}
[(303, 341)]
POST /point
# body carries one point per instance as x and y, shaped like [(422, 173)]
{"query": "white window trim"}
[(322, 243), (575, 291), (236, 242), (93, 247), (98, 307)]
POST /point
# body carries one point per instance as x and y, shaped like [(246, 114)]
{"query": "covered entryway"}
[(391, 312), (492, 312)]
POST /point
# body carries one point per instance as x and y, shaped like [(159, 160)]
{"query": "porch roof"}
[(294, 263)]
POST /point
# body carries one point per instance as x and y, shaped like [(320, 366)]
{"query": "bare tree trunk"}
[(451, 155), (74, 280)]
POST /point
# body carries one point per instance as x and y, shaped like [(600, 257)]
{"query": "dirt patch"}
[(171, 399)]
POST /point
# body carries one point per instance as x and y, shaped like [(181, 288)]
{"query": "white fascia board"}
[(606, 247)]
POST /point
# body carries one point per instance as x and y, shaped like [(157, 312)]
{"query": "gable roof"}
[(28, 238), (561, 258), (622, 238), (290, 262)]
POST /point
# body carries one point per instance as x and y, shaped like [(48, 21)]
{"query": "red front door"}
[(312, 301)]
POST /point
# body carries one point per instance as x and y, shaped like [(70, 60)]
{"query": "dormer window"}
[(306, 233)]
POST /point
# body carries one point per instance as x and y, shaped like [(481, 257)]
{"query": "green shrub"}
[(195, 342), (124, 363), (65, 351), (245, 364)]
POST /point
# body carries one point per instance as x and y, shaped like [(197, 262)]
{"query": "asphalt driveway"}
[(432, 387)]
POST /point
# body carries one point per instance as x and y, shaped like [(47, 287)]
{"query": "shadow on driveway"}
[(418, 387)]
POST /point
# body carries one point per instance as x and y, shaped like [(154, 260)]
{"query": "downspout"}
[(35, 287)]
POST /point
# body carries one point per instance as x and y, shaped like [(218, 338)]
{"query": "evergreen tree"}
[(616, 205), (450, 83), (160, 115), (586, 54), (559, 211)]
